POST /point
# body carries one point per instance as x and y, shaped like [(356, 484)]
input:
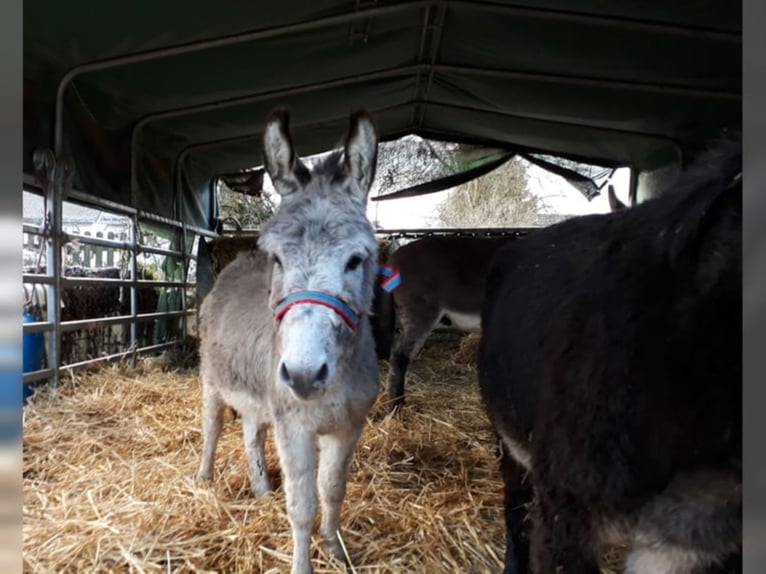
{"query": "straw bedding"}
[(109, 465)]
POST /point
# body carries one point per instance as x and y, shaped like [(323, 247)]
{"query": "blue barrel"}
[(33, 349)]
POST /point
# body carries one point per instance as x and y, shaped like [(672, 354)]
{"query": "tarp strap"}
[(582, 183)]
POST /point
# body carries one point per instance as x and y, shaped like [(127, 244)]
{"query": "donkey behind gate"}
[(285, 336)]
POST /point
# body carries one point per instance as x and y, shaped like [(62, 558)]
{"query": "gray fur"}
[(688, 528), (270, 374)]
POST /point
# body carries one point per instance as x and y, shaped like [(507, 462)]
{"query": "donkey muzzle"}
[(304, 381)]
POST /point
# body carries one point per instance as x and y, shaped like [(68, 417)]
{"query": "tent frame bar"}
[(218, 42), (251, 99), (619, 22), (91, 200), (351, 17), (253, 135), (366, 13), (422, 91), (418, 69)]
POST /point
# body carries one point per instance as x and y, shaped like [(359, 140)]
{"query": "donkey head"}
[(324, 251)]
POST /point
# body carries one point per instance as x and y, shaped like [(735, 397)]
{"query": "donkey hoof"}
[(335, 550), (261, 492), (203, 477), (397, 405)]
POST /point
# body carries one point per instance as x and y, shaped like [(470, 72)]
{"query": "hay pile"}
[(109, 467), (468, 351)]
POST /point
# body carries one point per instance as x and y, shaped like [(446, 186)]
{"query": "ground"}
[(109, 466)]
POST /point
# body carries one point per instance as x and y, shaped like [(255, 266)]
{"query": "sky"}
[(558, 196)]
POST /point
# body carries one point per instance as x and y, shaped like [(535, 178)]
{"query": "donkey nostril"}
[(322, 375), (284, 374)]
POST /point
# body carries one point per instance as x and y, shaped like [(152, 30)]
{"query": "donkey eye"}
[(353, 263), (277, 261)]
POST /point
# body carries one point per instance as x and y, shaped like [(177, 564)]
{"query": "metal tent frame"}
[(53, 172)]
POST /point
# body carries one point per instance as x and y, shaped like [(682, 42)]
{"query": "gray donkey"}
[(285, 335)]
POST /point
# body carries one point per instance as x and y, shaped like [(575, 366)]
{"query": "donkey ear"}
[(286, 171), (614, 203), (361, 153)]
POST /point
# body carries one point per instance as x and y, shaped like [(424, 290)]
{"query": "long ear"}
[(614, 203), (287, 172), (361, 153)]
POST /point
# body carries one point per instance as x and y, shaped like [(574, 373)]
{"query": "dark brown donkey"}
[(441, 277)]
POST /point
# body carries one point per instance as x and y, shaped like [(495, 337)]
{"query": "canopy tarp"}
[(187, 85)]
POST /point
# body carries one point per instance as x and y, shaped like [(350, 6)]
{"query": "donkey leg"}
[(517, 495), (297, 454), (416, 326), (561, 535), (212, 421), (254, 433), (335, 454), (694, 526)]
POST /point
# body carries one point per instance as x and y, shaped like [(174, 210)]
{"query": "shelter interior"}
[(140, 108)]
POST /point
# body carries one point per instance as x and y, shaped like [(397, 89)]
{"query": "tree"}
[(500, 198), (412, 160), (249, 210)]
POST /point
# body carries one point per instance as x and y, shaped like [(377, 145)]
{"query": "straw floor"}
[(109, 465)]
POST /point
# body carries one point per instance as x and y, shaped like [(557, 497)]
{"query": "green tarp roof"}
[(633, 82)]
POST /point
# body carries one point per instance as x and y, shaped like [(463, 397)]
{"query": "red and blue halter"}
[(344, 311)]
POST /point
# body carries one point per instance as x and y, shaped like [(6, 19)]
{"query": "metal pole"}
[(93, 200), (436, 41), (219, 42), (588, 19), (633, 186), (180, 216), (133, 289), (559, 122), (293, 125), (184, 274), (54, 173), (588, 82), (253, 98), (414, 103)]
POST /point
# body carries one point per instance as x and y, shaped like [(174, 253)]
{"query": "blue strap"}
[(394, 279)]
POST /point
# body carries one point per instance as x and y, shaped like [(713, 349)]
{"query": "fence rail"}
[(73, 340)]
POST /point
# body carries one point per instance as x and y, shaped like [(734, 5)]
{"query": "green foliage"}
[(149, 271)]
